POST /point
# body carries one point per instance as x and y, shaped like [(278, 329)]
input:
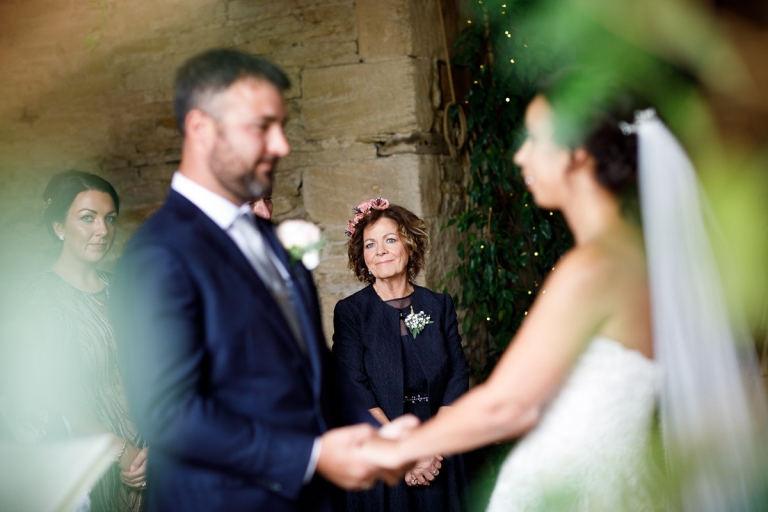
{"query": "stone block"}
[(366, 100), (199, 39), (330, 191), (256, 46), (238, 10), (384, 28), (396, 28), (316, 54), (146, 45), (331, 152), (427, 37)]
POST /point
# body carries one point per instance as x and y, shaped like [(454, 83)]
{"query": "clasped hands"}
[(357, 456), (133, 466)]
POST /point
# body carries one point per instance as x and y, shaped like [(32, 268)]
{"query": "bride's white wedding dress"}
[(588, 451)]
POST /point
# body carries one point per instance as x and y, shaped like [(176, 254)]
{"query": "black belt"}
[(416, 398)]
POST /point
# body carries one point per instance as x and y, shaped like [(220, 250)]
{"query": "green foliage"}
[(509, 244)]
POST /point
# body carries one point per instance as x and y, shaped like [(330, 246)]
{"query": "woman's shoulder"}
[(424, 295), (356, 299), (43, 286), (422, 292), (592, 268)]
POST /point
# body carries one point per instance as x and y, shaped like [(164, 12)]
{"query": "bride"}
[(631, 319)]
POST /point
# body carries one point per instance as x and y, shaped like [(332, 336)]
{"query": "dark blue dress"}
[(402, 374)]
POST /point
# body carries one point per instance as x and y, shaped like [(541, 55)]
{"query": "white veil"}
[(712, 406)]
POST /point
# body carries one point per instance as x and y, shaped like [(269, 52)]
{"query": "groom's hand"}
[(341, 458)]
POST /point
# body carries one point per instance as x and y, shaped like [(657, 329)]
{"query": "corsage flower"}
[(303, 241), (416, 322)]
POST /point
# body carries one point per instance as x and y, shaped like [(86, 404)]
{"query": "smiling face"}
[(543, 162), (384, 252), (89, 228), (248, 139)]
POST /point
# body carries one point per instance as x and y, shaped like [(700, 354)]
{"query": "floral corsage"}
[(303, 241), (416, 322)]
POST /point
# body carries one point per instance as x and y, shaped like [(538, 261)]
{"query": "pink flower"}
[(362, 210)]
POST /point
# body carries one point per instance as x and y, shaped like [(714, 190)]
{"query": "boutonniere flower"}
[(416, 322), (303, 241)]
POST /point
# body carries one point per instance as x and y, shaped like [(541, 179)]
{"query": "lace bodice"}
[(589, 446)]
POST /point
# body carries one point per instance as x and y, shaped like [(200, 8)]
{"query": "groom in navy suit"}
[(222, 352)]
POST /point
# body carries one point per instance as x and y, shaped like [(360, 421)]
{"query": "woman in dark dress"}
[(70, 342), (399, 343)]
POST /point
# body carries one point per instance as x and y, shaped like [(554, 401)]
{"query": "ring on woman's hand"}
[(413, 481), (435, 472), (144, 483)]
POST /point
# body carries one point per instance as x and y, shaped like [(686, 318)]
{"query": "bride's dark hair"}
[(588, 110)]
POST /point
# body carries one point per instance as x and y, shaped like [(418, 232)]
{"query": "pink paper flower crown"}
[(362, 210)]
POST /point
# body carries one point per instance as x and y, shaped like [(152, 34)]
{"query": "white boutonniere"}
[(303, 241), (416, 322)]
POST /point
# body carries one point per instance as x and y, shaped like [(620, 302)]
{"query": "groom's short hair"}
[(214, 71)]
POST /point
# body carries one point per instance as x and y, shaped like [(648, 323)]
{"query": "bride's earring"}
[(61, 237)]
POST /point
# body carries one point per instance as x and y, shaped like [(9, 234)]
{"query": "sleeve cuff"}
[(313, 458)]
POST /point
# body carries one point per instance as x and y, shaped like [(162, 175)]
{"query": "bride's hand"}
[(399, 428), (383, 453)]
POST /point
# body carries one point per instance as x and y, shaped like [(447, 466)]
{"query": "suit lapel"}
[(304, 301), (224, 249)]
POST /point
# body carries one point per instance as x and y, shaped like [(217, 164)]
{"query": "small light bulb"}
[(512, 61), (535, 254), (526, 313), (507, 99), (529, 292), (488, 318), (469, 21)]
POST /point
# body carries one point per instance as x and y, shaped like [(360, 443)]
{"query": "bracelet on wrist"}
[(122, 451)]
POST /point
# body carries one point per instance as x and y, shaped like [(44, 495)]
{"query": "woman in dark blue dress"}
[(399, 343)]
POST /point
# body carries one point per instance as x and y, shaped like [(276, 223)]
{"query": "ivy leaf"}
[(546, 229)]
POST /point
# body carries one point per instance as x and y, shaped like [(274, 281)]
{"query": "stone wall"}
[(88, 83)]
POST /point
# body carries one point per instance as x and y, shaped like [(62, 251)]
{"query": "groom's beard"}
[(244, 179)]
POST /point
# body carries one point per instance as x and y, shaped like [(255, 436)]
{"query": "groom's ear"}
[(200, 128)]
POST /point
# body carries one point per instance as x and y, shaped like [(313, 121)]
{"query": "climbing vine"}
[(509, 244)]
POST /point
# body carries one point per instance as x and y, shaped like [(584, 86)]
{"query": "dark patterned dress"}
[(74, 342), (401, 374)]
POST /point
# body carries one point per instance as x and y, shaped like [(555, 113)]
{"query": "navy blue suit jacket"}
[(218, 386), (368, 348)]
